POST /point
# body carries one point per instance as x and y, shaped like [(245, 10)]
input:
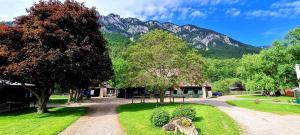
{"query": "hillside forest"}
[(270, 70)]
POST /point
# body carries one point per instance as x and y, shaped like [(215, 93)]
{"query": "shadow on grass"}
[(198, 119), (17, 113), (53, 112), (64, 111), (142, 107), (150, 106)]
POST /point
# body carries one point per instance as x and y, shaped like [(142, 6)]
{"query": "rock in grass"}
[(182, 125), (170, 127)]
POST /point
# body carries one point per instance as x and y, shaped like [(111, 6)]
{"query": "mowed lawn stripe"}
[(267, 106), (28, 122), (135, 119)]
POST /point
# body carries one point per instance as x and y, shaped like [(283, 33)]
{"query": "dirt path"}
[(101, 119), (255, 122)]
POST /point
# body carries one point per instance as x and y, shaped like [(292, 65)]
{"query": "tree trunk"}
[(42, 99), (70, 96), (75, 96), (42, 102), (171, 94), (78, 96), (162, 96)]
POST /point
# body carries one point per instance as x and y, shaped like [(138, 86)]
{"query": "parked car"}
[(217, 94)]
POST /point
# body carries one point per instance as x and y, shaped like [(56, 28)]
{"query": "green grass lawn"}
[(28, 122), (59, 96), (267, 106), (58, 99), (281, 98), (135, 120)]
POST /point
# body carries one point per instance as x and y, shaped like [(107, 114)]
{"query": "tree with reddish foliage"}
[(55, 43)]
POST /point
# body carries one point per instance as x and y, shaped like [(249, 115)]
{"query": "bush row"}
[(160, 117)]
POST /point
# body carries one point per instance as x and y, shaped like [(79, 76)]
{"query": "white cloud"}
[(216, 2), (154, 9), (143, 9), (233, 12), (283, 13), (197, 14), (282, 9), (286, 4), (13, 8)]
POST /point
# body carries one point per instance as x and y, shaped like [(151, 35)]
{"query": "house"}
[(103, 90), (237, 88), (14, 96), (183, 90), (191, 91)]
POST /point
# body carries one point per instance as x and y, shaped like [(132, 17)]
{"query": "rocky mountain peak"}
[(195, 36)]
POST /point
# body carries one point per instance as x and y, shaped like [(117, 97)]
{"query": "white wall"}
[(298, 71)]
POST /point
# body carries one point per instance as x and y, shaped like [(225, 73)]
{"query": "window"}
[(175, 92), (195, 91), (185, 91)]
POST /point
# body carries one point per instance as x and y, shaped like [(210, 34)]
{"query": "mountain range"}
[(209, 43)]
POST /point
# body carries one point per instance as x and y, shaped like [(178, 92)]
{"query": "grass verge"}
[(58, 99), (267, 106), (135, 119), (28, 122), (282, 98)]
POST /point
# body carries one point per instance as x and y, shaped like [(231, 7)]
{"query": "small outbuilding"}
[(189, 91), (103, 90), (14, 96)]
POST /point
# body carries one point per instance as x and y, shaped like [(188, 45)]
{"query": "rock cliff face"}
[(197, 37)]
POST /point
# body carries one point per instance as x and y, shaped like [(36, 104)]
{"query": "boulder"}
[(170, 127), (182, 125)]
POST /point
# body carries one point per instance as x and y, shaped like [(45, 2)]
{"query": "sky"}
[(255, 22)]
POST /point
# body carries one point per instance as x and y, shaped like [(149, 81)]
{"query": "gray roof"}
[(6, 82)]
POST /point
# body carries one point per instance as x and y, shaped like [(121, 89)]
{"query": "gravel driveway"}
[(101, 119), (255, 122)]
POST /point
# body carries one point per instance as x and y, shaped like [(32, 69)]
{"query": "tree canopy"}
[(272, 69), (55, 43), (224, 84), (160, 60), (219, 69)]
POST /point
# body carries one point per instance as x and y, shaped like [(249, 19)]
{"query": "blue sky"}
[(256, 22)]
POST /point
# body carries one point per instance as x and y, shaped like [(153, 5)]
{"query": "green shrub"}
[(184, 111), (160, 117)]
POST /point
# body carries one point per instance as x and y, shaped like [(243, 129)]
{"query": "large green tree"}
[(118, 45), (271, 70), (224, 84), (160, 61), (55, 43), (293, 37), (220, 69), (120, 78)]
